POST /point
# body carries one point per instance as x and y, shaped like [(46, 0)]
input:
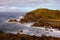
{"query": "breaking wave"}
[(37, 31)]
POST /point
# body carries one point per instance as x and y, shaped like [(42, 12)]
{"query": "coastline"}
[(10, 36), (37, 31)]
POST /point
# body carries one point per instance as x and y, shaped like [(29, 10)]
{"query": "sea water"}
[(25, 28), (4, 16)]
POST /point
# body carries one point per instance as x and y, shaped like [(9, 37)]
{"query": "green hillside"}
[(43, 17), (46, 13)]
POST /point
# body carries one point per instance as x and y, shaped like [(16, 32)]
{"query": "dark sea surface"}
[(9, 26)]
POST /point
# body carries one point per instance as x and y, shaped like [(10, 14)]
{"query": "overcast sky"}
[(27, 5)]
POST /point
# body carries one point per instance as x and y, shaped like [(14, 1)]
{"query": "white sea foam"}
[(42, 31), (11, 32), (37, 31), (19, 18), (27, 24)]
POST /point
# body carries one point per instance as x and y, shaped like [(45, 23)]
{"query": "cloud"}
[(15, 9), (25, 2), (27, 5)]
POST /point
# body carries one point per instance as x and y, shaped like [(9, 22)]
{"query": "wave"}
[(40, 32), (27, 24), (37, 31), (18, 19), (12, 32)]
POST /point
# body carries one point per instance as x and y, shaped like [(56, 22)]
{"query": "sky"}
[(27, 5)]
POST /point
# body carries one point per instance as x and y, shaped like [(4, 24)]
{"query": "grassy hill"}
[(46, 13), (42, 17)]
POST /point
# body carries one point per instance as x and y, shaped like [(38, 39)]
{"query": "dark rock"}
[(12, 20), (9, 36), (28, 18)]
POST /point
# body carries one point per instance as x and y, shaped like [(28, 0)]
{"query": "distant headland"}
[(42, 17)]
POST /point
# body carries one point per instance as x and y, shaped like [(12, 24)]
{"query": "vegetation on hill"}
[(43, 17), (46, 13)]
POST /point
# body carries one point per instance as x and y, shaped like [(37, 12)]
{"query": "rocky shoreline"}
[(41, 17), (10, 36)]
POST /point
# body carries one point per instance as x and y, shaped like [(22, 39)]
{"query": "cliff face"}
[(29, 17), (42, 17)]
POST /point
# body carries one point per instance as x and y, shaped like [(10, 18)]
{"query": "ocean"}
[(25, 28), (4, 26)]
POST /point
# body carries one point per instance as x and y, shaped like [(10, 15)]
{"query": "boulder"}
[(12, 20)]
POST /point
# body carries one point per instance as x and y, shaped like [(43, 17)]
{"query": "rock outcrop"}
[(12, 20), (29, 17)]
